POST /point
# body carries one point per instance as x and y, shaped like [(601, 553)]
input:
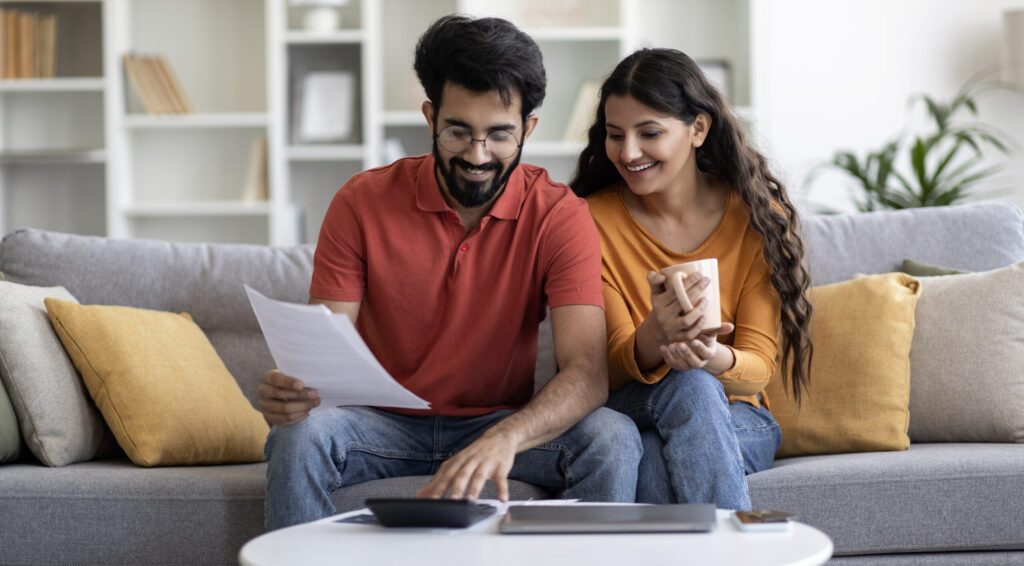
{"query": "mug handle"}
[(676, 282)]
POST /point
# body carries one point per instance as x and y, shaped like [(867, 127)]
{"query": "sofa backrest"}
[(972, 237), (206, 280)]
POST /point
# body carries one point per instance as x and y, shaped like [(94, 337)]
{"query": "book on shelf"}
[(176, 90), (28, 47), (155, 84), (256, 181)]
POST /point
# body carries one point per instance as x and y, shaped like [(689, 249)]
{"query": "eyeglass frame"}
[(519, 145)]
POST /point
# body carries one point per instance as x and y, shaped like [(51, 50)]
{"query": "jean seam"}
[(755, 428), (641, 406), (396, 454), (567, 458)]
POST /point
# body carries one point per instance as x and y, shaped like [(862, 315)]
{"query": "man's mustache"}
[(455, 161)]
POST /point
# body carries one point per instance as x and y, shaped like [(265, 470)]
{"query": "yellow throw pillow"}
[(860, 374), (160, 385)]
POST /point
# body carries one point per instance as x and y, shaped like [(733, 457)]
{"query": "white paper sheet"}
[(325, 351)]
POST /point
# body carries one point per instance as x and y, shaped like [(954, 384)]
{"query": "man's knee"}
[(314, 434), (612, 432)]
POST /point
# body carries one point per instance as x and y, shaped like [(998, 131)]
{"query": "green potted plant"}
[(942, 164)]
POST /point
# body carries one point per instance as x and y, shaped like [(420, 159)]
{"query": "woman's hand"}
[(696, 353), (672, 321), (668, 321)]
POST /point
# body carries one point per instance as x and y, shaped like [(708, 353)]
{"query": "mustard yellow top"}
[(748, 298)]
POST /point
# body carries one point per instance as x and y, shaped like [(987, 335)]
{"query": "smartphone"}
[(765, 520)]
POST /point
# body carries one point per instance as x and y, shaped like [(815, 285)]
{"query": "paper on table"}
[(325, 351)]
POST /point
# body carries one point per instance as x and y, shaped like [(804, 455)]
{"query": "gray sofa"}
[(934, 504)]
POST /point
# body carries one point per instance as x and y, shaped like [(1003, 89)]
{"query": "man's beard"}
[(472, 194)]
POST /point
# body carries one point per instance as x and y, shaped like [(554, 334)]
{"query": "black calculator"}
[(431, 513)]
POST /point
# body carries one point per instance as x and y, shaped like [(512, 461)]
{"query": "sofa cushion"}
[(860, 372), (973, 237), (967, 383), (930, 498), (160, 385), (113, 512), (58, 421)]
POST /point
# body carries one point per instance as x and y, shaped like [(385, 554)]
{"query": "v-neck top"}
[(749, 300)]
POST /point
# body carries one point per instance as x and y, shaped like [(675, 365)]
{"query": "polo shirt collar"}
[(507, 207)]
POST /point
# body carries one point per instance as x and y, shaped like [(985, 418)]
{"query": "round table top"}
[(329, 542)]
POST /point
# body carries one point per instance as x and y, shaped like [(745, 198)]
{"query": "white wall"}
[(831, 74)]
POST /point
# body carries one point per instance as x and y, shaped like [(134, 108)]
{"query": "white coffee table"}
[(328, 542)]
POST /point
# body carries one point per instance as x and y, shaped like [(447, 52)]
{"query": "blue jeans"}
[(698, 447), (595, 460)]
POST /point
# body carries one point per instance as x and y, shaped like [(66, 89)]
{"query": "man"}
[(446, 262)]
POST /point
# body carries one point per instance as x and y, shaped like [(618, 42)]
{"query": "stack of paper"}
[(325, 351)]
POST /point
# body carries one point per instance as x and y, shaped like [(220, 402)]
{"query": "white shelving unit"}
[(309, 173), (182, 177), (53, 157), (77, 153)]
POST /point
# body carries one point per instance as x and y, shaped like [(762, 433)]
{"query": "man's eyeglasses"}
[(499, 143)]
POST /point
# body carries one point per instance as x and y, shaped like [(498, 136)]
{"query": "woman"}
[(670, 178)]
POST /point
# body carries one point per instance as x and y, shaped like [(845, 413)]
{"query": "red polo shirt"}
[(453, 316)]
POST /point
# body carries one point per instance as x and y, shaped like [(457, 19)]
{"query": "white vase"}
[(322, 19)]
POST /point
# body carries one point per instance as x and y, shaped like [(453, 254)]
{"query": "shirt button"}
[(463, 247), (453, 216)]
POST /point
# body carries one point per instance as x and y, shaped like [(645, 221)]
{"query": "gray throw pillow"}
[(921, 269), (58, 420), (10, 438), (966, 384)]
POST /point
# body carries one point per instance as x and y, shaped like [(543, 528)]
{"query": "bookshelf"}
[(53, 158), (80, 153), (324, 89), (182, 170)]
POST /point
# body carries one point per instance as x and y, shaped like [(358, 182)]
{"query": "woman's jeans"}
[(595, 460), (698, 447)]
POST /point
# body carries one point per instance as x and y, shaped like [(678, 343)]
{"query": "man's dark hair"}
[(481, 55)]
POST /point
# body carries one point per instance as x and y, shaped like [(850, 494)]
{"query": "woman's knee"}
[(693, 388)]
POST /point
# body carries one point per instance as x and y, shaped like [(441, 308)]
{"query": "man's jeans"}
[(698, 447), (595, 460)]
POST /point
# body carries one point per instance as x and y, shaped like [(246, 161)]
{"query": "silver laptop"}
[(684, 517)]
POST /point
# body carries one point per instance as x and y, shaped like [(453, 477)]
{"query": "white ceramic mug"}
[(707, 268)]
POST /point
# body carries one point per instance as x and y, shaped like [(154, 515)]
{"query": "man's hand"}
[(579, 387), (284, 400), (489, 457)]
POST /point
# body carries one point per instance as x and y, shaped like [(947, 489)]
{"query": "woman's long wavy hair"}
[(669, 82)]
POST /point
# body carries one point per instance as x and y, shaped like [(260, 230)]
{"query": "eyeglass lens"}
[(499, 143)]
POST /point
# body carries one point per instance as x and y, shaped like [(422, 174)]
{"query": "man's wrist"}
[(504, 432)]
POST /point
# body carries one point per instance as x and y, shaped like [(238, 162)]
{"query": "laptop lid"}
[(684, 517)]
